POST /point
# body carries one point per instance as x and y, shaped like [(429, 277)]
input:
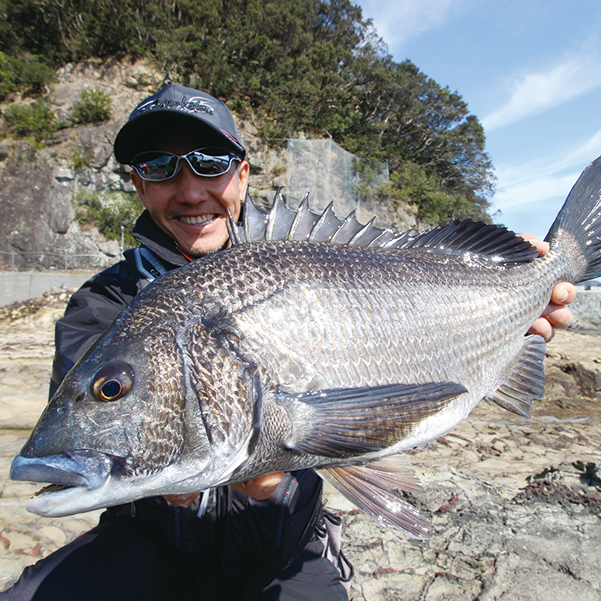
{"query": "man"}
[(255, 540)]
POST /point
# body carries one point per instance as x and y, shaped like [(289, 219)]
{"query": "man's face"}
[(192, 209)]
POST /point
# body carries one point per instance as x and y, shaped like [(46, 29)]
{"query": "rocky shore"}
[(515, 503)]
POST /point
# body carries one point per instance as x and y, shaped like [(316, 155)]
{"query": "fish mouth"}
[(81, 469)]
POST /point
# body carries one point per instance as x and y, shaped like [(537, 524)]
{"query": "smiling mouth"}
[(200, 220)]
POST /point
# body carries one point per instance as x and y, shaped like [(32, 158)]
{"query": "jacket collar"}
[(148, 233)]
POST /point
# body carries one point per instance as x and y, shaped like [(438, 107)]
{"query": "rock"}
[(5, 149)]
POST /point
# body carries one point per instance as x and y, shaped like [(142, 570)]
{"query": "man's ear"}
[(136, 180), (243, 174)]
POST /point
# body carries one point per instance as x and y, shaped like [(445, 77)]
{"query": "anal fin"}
[(375, 489), (526, 381)]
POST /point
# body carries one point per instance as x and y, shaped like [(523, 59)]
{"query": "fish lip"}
[(82, 468), (67, 501)]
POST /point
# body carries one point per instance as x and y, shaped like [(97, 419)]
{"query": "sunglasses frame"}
[(135, 164)]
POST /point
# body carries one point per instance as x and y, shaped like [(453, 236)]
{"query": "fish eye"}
[(113, 382)]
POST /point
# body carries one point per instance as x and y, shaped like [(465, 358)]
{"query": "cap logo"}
[(196, 104)]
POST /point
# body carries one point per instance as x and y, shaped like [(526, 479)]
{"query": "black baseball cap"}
[(173, 107)]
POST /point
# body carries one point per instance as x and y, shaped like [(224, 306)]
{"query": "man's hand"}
[(556, 315), (258, 488), (182, 500)]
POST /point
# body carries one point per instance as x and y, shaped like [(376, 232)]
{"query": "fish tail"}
[(576, 232)]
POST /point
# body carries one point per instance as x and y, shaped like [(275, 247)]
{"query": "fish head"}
[(157, 406), (116, 422)]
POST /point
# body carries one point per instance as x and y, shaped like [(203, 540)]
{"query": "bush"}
[(82, 155), (94, 106), (81, 159), (108, 212), (7, 79), (36, 120), (34, 76), (29, 75)]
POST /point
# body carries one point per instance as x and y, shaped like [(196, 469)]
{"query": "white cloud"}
[(534, 93), (531, 206), (547, 169), (535, 190), (530, 195), (398, 21)]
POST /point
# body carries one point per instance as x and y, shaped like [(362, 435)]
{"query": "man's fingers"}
[(554, 316), (558, 315), (260, 488), (543, 328), (543, 247), (181, 500), (563, 293)]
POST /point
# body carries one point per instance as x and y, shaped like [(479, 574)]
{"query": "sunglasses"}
[(156, 166)]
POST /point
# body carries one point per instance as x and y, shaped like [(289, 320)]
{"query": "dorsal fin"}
[(302, 225), (279, 219), (480, 240), (326, 227), (474, 239)]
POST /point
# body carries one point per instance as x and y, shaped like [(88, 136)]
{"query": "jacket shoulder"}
[(89, 313)]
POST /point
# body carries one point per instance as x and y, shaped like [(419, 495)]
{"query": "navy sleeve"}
[(90, 312)]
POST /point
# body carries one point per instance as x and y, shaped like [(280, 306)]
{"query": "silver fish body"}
[(282, 355)]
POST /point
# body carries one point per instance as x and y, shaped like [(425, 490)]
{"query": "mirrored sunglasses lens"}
[(153, 167), (205, 164)]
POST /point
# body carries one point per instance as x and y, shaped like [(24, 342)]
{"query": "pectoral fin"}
[(526, 380), (375, 488), (343, 422)]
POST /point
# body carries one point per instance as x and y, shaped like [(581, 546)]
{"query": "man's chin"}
[(206, 248)]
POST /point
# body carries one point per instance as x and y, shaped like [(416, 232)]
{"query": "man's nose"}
[(191, 188)]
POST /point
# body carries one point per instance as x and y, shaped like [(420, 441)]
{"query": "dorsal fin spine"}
[(272, 215), (326, 226), (460, 238), (303, 222), (350, 226), (363, 232)]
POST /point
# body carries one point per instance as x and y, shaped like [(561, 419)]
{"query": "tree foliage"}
[(300, 65), (93, 106), (35, 120)]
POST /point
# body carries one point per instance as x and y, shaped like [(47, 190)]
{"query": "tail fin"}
[(578, 225)]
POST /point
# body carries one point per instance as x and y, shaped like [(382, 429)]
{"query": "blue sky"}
[(530, 70)]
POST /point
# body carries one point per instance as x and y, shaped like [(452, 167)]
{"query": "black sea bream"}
[(331, 347)]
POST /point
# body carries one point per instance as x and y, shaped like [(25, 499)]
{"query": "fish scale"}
[(411, 354), (287, 353)]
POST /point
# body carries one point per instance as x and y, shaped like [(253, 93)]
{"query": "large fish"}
[(326, 345)]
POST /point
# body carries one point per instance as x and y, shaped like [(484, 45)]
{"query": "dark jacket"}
[(236, 535)]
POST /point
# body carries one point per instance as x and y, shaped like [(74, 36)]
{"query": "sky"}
[(530, 70)]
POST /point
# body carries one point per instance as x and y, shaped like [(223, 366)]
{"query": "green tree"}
[(7, 78), (109, 212), (299, 65)]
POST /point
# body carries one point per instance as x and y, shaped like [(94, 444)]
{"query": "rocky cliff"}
[(39, 184)]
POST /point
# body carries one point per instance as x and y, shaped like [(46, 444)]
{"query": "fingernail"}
[(563, 297), (270, 482)]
